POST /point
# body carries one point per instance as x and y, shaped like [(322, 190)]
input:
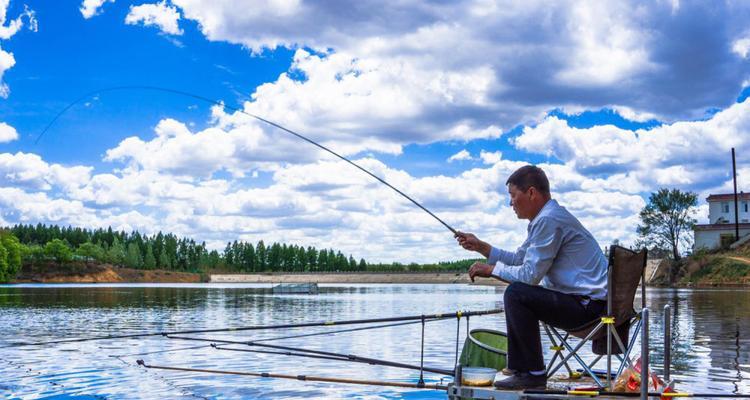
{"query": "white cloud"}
[(7, 61), (90, 8), (490, 157), (460, 156), (15, 25), (741, 47), (690, 155), (610, 45), (238, 144), (322, 204), (453, 70), (7, 133), (30, 171), (160, 15)]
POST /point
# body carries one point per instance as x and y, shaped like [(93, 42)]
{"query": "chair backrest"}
[(626, 269)]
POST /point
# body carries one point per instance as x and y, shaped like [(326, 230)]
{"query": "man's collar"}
[(550, 203)]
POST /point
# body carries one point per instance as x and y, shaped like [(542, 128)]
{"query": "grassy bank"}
[(711, 270), (717, 268)]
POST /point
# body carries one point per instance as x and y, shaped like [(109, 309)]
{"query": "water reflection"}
[(710, 345)]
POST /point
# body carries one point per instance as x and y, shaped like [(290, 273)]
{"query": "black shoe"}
[(523, 380)]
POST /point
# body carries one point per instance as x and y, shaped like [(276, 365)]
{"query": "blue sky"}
[(614, 100)]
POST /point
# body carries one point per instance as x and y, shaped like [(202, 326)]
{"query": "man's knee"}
[(514, 291)]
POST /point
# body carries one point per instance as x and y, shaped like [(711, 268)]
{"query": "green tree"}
[(90, 252), (667, 219), (260, 252), (58, 250), (133, 257), (164, 261), (116, 252), (149, 262), (11, 253)]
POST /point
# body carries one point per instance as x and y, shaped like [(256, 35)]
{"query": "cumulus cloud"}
[(160, 15), (490, 157), (7, 133), (236, 144), (30, 171), (742, 47), (321, 203), (90, 8), (691, 155), (460, 156), (15, 25), (7, 61), (428, 70)]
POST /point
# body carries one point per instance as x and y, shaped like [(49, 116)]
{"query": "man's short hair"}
[(528, 176)]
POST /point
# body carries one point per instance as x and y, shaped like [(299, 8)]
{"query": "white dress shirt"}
[(558, 252)]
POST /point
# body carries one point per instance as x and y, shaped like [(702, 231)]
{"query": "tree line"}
[(39, 245)]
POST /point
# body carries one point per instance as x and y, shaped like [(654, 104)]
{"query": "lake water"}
[(711, 344)]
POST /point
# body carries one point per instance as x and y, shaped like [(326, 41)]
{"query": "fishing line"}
[(235, 109), (258, 327), (277, 338)]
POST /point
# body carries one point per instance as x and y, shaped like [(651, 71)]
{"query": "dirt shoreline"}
[(431, 277), (105, 273)]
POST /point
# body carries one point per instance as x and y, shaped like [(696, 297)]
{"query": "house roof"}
[(720, 227), (728, 197)]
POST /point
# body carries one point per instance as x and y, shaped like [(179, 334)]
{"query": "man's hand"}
[(480, 269), (470, 242)]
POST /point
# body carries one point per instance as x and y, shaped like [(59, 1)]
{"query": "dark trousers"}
[(526, 305)]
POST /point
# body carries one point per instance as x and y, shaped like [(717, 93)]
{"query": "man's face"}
[(521, 201)]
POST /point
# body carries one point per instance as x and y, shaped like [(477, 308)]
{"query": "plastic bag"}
[(629, 380)]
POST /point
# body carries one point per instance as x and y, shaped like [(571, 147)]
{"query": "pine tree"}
[(149, 262), (164, 260), (133, 256)]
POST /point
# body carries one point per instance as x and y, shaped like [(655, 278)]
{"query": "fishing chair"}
[(608, 334)]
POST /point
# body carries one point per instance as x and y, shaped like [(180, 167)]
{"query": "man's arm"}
[(543, 244), (483, 270), (469, 241)]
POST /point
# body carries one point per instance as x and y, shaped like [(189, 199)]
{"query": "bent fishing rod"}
[(302, 352), (235, 109), (457, 314)]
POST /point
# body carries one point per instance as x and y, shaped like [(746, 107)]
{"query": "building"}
[(719, 232)]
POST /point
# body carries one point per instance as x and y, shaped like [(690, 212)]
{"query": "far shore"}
[(401, 277)]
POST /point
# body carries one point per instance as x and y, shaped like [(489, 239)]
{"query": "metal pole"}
[(644, 355), (458, 333), (610, 267), (667, 341), (421, 359), (736, 206)]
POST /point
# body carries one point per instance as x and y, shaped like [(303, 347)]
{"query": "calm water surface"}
[(711, 344)]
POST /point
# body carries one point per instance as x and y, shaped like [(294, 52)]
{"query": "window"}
[(744, 205), (725, 207)]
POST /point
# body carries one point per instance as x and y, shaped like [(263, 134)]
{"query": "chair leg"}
[(627, 351), (573, 353), (558, 351), (596, 360)]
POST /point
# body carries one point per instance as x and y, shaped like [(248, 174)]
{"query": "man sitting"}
[(560, 254)]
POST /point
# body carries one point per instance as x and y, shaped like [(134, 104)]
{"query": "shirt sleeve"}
[(544, 241), (506, 257)]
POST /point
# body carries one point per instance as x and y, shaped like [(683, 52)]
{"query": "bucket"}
[(485, 348)]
